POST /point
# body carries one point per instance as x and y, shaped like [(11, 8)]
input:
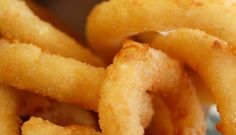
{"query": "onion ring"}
[(135, 70), (25, 67), (213, 59), (18, 22), (119, 19)]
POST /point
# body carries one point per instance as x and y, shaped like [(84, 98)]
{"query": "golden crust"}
[(112, 21), (137, 69), (216, 65), (25, 67), (18, 22)]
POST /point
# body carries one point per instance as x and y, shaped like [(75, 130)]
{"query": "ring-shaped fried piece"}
[(213, 59)]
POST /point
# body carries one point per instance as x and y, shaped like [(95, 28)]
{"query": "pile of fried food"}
[(161, 62)]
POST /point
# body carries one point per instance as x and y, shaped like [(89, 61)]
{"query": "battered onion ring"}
[(203, 91), (37, 126), (112, 21), (17, 21), (137, 69), (9, 119), (25, 67), (214, 60)]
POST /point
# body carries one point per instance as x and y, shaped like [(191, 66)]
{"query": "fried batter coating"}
[(213, 59), (37, 126), (112, 21), (137, 69), (18, 22), (25, 67)]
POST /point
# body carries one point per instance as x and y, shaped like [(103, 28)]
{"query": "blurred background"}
[(70, 16), (72, 13)]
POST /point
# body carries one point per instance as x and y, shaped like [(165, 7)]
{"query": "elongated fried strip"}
[(162, 123), (37, 126), (17, 21), (9, 119), (25, 67), (119, 19), (136, 69), (214, 60)]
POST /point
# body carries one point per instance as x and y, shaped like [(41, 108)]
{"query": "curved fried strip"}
[(161, 123), (127, 79), (37, 126), (214, 60), (186, 112), (9, 119), (119, 19), (136, 69), (18, 22), (25, 67)]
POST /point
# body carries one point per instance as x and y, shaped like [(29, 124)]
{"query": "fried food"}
[(159, 90), (18, 22), (162, 123), (137, 69), (62, 114), (213, 59), (25, 67), (203, 91), (112, 21), (9, 120), (37, 126)]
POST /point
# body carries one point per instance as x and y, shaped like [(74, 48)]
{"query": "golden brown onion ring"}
[(213, 59), (18, 22), (37, 126), (9, 120), (25, 67), (112, 21), (137, 69)]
